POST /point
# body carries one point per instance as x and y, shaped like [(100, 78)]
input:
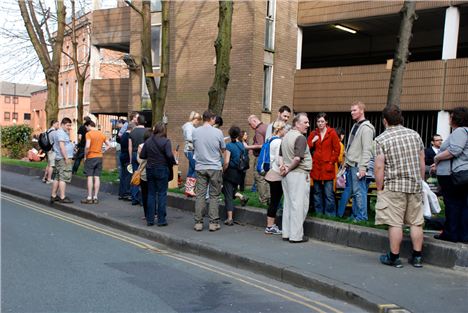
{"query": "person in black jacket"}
[(429, 153), (157, 150)]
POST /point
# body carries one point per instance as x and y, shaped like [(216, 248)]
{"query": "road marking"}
[(283, 293)]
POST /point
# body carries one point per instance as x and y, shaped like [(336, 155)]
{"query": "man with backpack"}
[(46, 143)]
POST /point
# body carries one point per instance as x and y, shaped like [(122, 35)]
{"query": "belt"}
[(352, 164)]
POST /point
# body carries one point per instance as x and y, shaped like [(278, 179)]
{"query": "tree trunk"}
[(81, 82), (158, 109), (51, 107), (217, 92), (146, 59), (50, 66), (408, 16)]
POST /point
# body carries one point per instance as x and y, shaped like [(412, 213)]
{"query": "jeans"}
[(78, 157), (324, 197), (125, 176), (191, 167), (136, 196), (356, 188), (158, 178)]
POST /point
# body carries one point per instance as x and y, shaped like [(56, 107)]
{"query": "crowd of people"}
[(295, 167)]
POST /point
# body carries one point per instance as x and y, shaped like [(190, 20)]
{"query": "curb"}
[(286, 274), (438, 253)]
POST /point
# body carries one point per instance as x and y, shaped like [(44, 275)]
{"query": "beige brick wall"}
[(320, 12), (193, 33)]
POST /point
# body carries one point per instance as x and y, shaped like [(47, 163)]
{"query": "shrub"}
[(16, 139)]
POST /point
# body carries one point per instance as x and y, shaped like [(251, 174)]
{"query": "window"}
[(7, 99), (15, 100), (66, 94), (156, 44), (156, 60), (267, 87), (27, 116), (6, 116), (62, 92), (270, 25), (156, 5), (15, 116)]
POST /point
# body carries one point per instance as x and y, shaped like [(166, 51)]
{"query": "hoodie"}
[(360, 151)]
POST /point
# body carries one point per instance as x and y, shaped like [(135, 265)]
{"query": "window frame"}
[(6, 116), (267, 93)]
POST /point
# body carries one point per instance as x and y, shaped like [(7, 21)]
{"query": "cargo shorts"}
[(398, 209), (63, 171)]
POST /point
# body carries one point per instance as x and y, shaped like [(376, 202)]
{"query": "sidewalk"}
[(350, 274)]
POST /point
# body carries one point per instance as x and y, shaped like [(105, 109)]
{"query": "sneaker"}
[(415, 261), (87, 201), (95, 201), (65, 200), (273, 230), (385, 259), (54, 199), (214, 226), (198, 226), (229, 222)]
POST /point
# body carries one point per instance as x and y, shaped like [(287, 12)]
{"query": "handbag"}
[(136, 178)]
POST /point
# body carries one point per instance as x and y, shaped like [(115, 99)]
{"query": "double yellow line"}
[(314, 305)]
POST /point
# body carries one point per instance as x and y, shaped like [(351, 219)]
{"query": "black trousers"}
[(144, 194), (456, 210), (276, 193)]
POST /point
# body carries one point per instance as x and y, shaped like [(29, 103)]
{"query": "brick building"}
[(15, 103), (291, 52), (104, 64), (38, 113), (263, 60)]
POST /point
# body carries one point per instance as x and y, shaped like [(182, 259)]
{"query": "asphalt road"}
[(54, 262)]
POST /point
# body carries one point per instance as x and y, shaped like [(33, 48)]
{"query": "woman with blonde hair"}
[(187, 128), (274, 178)]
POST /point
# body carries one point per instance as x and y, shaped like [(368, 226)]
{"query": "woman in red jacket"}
[(326, 146)]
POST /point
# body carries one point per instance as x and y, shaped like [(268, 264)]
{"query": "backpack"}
[(45, 142), (244, 161), (263, 163)]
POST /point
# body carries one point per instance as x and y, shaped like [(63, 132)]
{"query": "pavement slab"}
[(350, 274)]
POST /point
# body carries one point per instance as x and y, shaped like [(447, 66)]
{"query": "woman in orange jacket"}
[(326, 145)]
